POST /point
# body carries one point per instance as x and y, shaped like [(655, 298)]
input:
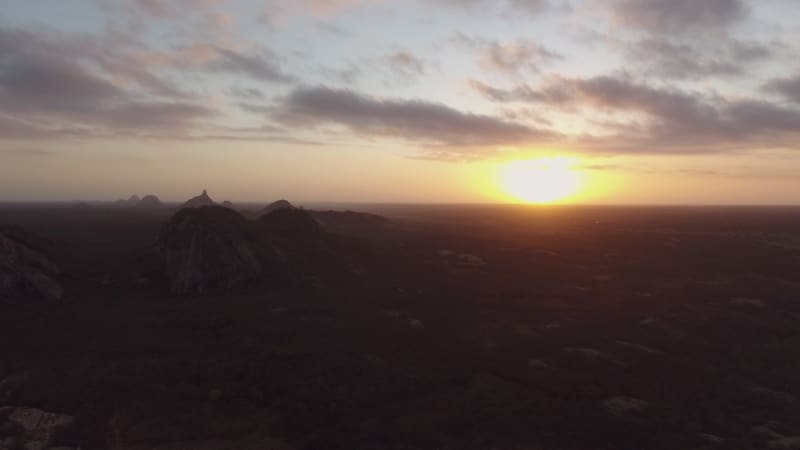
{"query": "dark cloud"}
[(665, 119), (28, 152), (260, 65), (47, 89), (155, 115), (170, 9), (787, 87), (551, 93), (509, 57), (513, 57), (31, 83), (672, 58), (678, 15), (527, 6), (249, 93), (412, 120)]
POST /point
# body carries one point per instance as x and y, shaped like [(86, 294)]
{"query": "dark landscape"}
[(399, 327)]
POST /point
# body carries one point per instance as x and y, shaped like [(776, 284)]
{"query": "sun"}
[(543, 180)]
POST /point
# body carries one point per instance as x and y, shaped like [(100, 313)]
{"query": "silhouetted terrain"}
[(413, 327)]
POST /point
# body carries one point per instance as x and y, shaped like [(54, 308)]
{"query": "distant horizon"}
[(302, 203)]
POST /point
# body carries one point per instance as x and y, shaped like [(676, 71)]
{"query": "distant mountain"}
[(275, 206), (133, 200), (350, 222), (150, 201), (290, 222), (196, 202)]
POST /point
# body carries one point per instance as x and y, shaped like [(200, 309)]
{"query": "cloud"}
[(510, 57), (259, 65), (527, 6), (675, 16), (787, 87), (411, 120), (516, 56), (170, 9), (553, 93), (662, 119), (406, 63), (331, 29), (328, 7), (47, 89), (28, 152), (676, 59), (249, 93), (347, 74)]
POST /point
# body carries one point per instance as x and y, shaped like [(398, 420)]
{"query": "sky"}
[(651, 101)]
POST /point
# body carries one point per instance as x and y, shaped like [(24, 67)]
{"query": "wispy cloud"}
[(416, 121)]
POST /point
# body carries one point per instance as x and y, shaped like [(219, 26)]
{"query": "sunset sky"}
[(647, 101)]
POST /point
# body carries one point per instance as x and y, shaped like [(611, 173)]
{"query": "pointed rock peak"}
[(201, 200)]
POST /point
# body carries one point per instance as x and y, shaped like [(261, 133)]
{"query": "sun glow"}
[(544, 180)]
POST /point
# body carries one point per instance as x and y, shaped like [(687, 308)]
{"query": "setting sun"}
[(544, 180)]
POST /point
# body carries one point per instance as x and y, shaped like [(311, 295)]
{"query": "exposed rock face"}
[(274, 206), (201, 200), (150, 201), (25, 271), (31, 428), (208, 248)]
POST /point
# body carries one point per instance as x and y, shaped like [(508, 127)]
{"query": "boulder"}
[(25, 271), (208, 248)]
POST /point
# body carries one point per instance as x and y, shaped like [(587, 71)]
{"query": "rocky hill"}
[(201, 200), (208, 248), (274, 206), (150, 201)]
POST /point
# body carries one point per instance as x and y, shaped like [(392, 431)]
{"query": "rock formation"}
[(24, 270), (31, 428), (201, 200), (290, 221), (150, 201), (208, 248), (274, 206)]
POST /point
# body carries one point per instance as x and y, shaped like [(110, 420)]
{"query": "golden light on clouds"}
[(542, 180)]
